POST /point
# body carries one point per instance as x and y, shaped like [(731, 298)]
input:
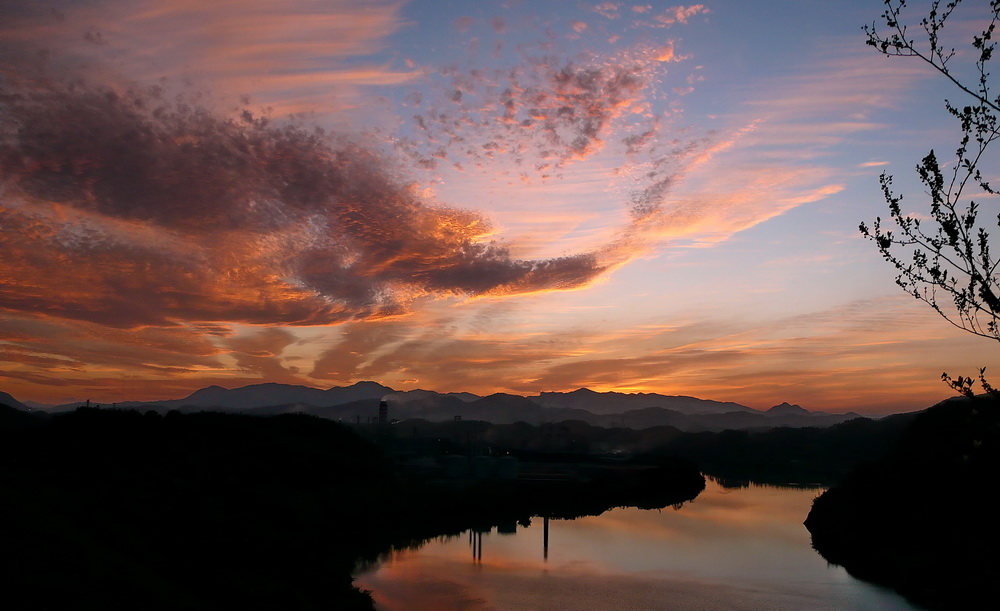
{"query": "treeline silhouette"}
[(923, 518), (809, 455), (116, 509)]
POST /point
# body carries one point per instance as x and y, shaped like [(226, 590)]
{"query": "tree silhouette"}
[(945, 260), (952, 258)]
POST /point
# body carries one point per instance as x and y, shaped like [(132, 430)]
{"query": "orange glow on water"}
[(733, 549)]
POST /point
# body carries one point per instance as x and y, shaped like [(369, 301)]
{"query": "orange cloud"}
[(830, 360), (169, 213), (57, 360), (666, 54), (827, 360), (291, 57)]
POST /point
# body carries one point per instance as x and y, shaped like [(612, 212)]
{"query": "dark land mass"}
[(117, 509), (781, 455), (359, 403), (114, 508), (10, 401), (922, 519), (819, 455)]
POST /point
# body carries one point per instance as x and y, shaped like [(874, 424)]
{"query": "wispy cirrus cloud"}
[(774, 155), (303, 56), (63, 360), (823, 360)]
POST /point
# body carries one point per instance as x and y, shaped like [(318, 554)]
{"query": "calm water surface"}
[(740, 549)]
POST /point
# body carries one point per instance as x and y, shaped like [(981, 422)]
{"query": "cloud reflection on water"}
[(729, 549)]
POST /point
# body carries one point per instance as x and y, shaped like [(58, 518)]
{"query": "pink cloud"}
[(670, 16), (666, 53), (545, 110), (608, 9)]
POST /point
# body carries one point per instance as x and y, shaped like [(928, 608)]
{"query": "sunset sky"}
[(465, 196)]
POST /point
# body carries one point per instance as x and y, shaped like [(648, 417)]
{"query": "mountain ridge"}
[(359, 403)]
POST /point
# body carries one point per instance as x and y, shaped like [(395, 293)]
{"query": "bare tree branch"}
[(952, 260)]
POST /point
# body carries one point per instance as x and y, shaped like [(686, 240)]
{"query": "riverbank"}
[(113, 509), (922, 519)]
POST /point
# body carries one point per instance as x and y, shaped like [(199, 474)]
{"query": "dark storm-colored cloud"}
[(130, 208)]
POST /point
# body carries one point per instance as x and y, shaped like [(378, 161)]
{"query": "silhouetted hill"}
[(643, 418), (923, 518), (785, 409), (783, 455), (17, 419), (407, 396), (281, 397), (426, 404), (712, 422), (359, 403), (502, 408), (615, 402), (6, 399), (802, 454), (263, 395)]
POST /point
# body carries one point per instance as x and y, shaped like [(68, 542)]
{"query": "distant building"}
[(383, 412)]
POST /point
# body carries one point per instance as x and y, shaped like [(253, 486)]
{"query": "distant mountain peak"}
[(12, 402), (575, 394), (362, 384), (786, 409), (275, 393), (212, 390), (211, 387)]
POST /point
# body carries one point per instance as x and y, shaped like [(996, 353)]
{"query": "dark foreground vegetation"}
[(115, 509), (781, 455), (923, 519), (111, 509)]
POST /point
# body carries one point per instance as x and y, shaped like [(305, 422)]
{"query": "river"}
[(729, 549)]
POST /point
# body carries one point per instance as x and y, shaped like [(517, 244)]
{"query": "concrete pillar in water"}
[(545, 538)]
